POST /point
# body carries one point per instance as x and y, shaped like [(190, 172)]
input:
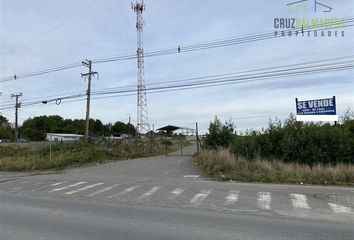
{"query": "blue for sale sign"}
[(316, 107)]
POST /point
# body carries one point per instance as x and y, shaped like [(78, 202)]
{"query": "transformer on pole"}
[(142, 113)]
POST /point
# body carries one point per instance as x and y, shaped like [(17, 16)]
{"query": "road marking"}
[(124, 192), (299, 201), (264, 200), (276, 187), (150, 192), (47, 186), (84, 188), (232, 197), (38, 183), (177, 192), (58, 183), (199, 197), (103, 190), (339, 209), (191, 176), (66, 187)]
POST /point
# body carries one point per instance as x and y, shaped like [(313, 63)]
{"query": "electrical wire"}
[(180, 49), (216, 81), (200, 85), (133, 87)]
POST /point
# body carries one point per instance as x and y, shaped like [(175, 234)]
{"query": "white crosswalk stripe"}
[(84, 188), (66, 187), (176, 192), (232, 197), (339, 208), (299, 201), (124, 192), (199, 197), (299, 205), (150, 192), (58, 183), (103, 190), (264, 200)]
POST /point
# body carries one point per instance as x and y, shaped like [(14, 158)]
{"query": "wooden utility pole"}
[(17, 106), (88, 64), (129, 132), (196, 135)]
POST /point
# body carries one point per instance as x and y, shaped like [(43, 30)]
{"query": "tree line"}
[(35, 129), (289, 141)]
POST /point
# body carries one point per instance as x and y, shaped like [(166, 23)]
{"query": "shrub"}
[(220, 135), (223, 165), (306, 143)]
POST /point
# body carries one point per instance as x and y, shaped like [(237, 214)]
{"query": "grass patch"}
[(223, 165), (65, 155)]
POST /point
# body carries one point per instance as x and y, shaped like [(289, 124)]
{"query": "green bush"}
[(223, 165), (166, 142), (305, 143), (220, 134)]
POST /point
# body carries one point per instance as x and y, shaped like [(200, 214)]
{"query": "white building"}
[(118, 137), (63, 137)]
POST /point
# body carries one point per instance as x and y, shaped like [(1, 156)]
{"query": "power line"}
[(78, 94), (209, 81), (175, 50), (204, 80), (133, 87), (210, 84), (214, 44), (347, 58), (40, 72), (234, 79)]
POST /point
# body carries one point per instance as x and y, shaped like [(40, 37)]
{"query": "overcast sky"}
[(39, 34)]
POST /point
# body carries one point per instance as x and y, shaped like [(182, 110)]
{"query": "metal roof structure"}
[(68, 135), (171, 128)]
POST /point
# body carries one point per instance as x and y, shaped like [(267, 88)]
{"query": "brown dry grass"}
[(65, 155), (224, 165)]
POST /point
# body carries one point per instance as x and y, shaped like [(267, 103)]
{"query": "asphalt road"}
[(166, 198)]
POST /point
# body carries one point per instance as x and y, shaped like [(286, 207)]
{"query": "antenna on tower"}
[(142, 113)]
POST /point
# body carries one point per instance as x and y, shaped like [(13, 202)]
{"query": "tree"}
[(131, 129), (120, 128), (5, 128), (35, 128), (305, 143), (220, 135), (97, 127)]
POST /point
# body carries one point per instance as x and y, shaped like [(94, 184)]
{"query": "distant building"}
[(63, 137), (118, 136)]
